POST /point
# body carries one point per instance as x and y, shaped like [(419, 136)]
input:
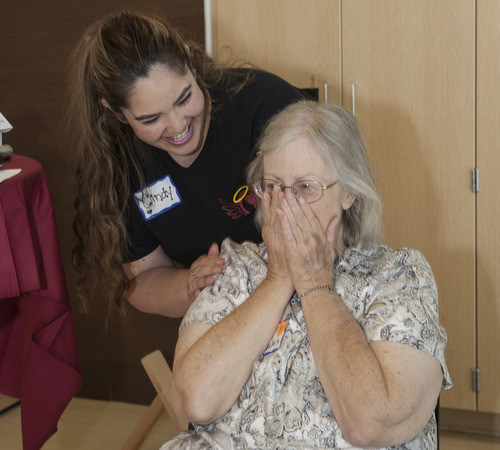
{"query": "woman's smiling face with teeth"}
[(167, 110)]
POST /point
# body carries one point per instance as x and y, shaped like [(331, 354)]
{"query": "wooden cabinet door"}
[(488, 204), (291, 38), (412, 64)]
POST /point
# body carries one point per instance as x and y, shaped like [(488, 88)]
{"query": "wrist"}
[(280, 282), (320, 287)]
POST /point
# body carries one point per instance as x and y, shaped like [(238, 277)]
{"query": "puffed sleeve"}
[(244, 270), (403, 307)]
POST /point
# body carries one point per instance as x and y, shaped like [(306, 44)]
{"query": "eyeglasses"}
[(310, 191)]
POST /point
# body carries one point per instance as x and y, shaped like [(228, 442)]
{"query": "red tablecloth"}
[(39, 362)]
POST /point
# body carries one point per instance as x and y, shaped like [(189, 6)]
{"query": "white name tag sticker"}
[(158, 197)]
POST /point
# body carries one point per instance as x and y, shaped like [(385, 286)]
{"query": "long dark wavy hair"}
[(109, 59)]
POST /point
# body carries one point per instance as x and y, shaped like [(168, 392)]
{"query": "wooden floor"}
[(96, 425)]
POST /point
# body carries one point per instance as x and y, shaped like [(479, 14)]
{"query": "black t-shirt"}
[(186, 209)]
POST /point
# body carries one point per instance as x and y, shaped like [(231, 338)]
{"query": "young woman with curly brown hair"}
[(163, 135)]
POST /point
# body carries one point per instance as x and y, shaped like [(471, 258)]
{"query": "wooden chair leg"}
[(161, 376), (145, 425)]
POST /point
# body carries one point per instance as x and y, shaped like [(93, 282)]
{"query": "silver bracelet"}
[(315, 288)]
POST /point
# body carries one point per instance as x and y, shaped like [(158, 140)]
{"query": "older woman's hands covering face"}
[(303, 235), (272, 233), (309, 248)]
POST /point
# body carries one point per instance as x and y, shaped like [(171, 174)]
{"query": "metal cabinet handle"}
[(207, 8), (353, 89)]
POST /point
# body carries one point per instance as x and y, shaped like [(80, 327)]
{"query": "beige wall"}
[(35, 41)]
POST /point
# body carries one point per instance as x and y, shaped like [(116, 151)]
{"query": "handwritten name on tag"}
[(158, 197)]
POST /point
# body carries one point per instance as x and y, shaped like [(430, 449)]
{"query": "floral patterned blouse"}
[(393, 296)]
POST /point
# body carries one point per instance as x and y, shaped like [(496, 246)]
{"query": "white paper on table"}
[(4, 124), (5, 174)]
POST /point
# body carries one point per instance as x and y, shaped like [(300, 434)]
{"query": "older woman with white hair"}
[(319, 337)]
